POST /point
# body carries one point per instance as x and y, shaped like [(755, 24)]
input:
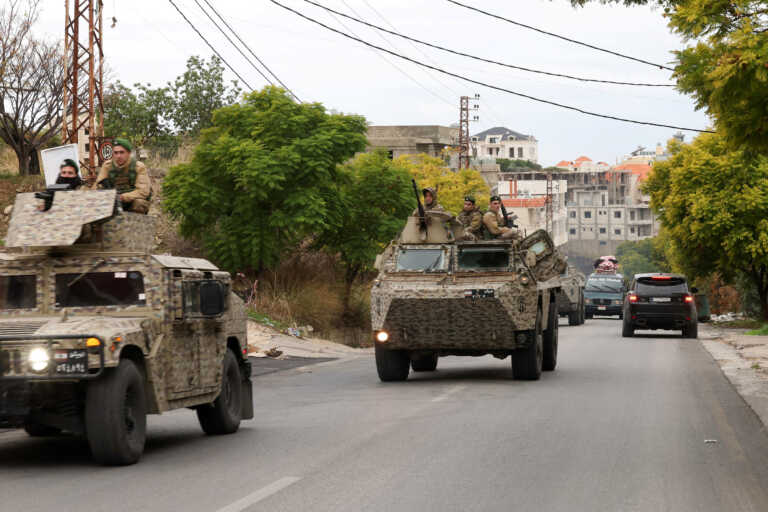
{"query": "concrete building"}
[(409, 140), (500, 142)]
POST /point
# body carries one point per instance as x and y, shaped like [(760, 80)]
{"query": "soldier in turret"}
[(494, 221), (430, 201), (69, 174), (128, 176), (472, 220)]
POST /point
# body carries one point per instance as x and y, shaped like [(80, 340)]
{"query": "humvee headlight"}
[(38, 359), (524, 279), (382, 336), (92, 342)]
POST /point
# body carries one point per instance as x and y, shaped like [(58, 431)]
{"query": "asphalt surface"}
[(647, 424)]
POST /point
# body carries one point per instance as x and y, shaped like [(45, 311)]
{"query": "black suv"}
[(660, 301)]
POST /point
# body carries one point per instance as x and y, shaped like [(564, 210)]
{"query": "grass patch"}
[(761, 331), (264, 319), (742, 323)]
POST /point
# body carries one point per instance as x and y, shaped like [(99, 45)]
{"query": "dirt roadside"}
[(264, 341), (743, 360)]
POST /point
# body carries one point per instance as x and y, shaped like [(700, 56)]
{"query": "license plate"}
[(70, 362), (661, 299), (485, 293), (601, 308)]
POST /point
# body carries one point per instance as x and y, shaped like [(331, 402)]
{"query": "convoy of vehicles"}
[(660, 301), (570, 298), (96, 332)]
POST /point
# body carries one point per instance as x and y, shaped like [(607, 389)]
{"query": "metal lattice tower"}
[(82, 99), (464, 132)]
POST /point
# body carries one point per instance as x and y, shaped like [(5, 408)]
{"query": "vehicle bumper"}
[(660, 321), (14, 354)]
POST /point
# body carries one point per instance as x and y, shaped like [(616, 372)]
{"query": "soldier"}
[(472, 220), (69, 175), (494, 221), (430, 201), (128, 176)]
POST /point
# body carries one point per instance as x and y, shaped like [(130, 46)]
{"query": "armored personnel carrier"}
[(96, 332), (437, 295), (570, 299)]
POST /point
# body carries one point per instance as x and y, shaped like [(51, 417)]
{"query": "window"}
[(587, 215), (472, 258), (511, 152), (664, 287), (604, 283), (519, 152), (572, 214), (603, 242), (631, 230), (391, 154), (616, 231), (572, 231), (474, 139), (492, 140), (632, 215), (490, 151), (617, 214), (602, 230), (421, 260), (100, 289), (18, 292)]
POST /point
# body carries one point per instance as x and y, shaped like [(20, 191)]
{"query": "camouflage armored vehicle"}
[(96, 332), (437, 295), (570, 299)]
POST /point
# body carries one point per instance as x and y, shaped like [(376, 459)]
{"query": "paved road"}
[(621, 426)]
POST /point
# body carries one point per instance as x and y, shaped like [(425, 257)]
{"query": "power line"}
[(251, 51), (249, 61), (482, 59), (490, 86), (617, 54), (211, 46)]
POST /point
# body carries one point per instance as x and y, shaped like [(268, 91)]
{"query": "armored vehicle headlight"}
[(382, 336), (92, 342), (38, 359), (524, 279)]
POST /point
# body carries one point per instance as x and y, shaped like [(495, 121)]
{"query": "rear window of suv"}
[(651, 286)]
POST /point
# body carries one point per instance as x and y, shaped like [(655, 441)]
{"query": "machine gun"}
[(509, 220), (47, 196), (422, 213)]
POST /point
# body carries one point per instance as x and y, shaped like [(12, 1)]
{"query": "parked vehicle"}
[(604, 295), (660, 301)]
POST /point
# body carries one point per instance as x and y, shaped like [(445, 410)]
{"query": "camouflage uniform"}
[(131, 181), (494, 223), (473, 223), (433, 206)]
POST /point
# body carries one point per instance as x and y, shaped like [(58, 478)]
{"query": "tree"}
[(199, 92), (507, 165), (641, 257), (31, 85), (143, 118), (452, 186), (262, 178), (376, 198), (712, 201), (725, 70)]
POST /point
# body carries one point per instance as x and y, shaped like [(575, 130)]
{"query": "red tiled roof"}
[(641, 170), (583, 159), (563, 163), (532, 202)]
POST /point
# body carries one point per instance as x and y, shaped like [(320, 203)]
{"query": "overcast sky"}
[(151, 42)]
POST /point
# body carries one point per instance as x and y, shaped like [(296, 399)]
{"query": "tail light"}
[(688, 299), (661, 278), (632, 297)]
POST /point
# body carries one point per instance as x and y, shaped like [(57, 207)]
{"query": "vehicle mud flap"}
[(247, 392)]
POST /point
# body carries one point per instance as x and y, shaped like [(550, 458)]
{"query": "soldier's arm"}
[(103, 173), (142, 187), (475, 222), (490, 221)]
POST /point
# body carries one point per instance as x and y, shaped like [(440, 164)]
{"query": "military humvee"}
[(96, 332), (570, 300), (436, 295)]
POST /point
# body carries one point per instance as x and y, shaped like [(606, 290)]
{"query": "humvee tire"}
[(425, 363), (392, 365), (40, 430), (527, 362), (550, 337), (627, 331), (116, 415), (224, 414)]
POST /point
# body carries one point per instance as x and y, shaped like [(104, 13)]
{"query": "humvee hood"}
[(102, 326)]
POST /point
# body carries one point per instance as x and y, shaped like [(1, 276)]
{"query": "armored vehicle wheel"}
[(426, 363), (627, 330), (692, 331), (527, 362), (392, 365), (573, 318), (116, 415), (39, 430), (224, 414), (588, 316), (582, 311), (550, 337)]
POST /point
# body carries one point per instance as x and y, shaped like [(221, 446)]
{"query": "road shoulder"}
[(743, 360)]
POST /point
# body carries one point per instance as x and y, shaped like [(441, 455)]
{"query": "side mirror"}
[(694, 290), (211, 298)]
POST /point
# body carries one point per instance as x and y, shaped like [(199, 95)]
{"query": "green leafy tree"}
[(725, 70), (640, 257), (506, 164), (713, 203), (376, 198), (199, 92), (141, 114), (262, 178)]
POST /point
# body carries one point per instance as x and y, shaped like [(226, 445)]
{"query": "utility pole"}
[(83, 110), (549, 205), (464, 120)]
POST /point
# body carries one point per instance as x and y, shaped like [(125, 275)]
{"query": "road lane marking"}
[(453, 390), (261, 494)]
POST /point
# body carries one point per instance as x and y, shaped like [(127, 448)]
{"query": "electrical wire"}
[(211, 46), (490, 86), (251, 51), (529, 27), (482, 59)]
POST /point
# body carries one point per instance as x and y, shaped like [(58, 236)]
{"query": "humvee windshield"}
[(18, 292), (482, 258), (427, 260), (100, 289)]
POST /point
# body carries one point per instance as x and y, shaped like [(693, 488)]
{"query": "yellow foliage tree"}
[(451, 186)]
